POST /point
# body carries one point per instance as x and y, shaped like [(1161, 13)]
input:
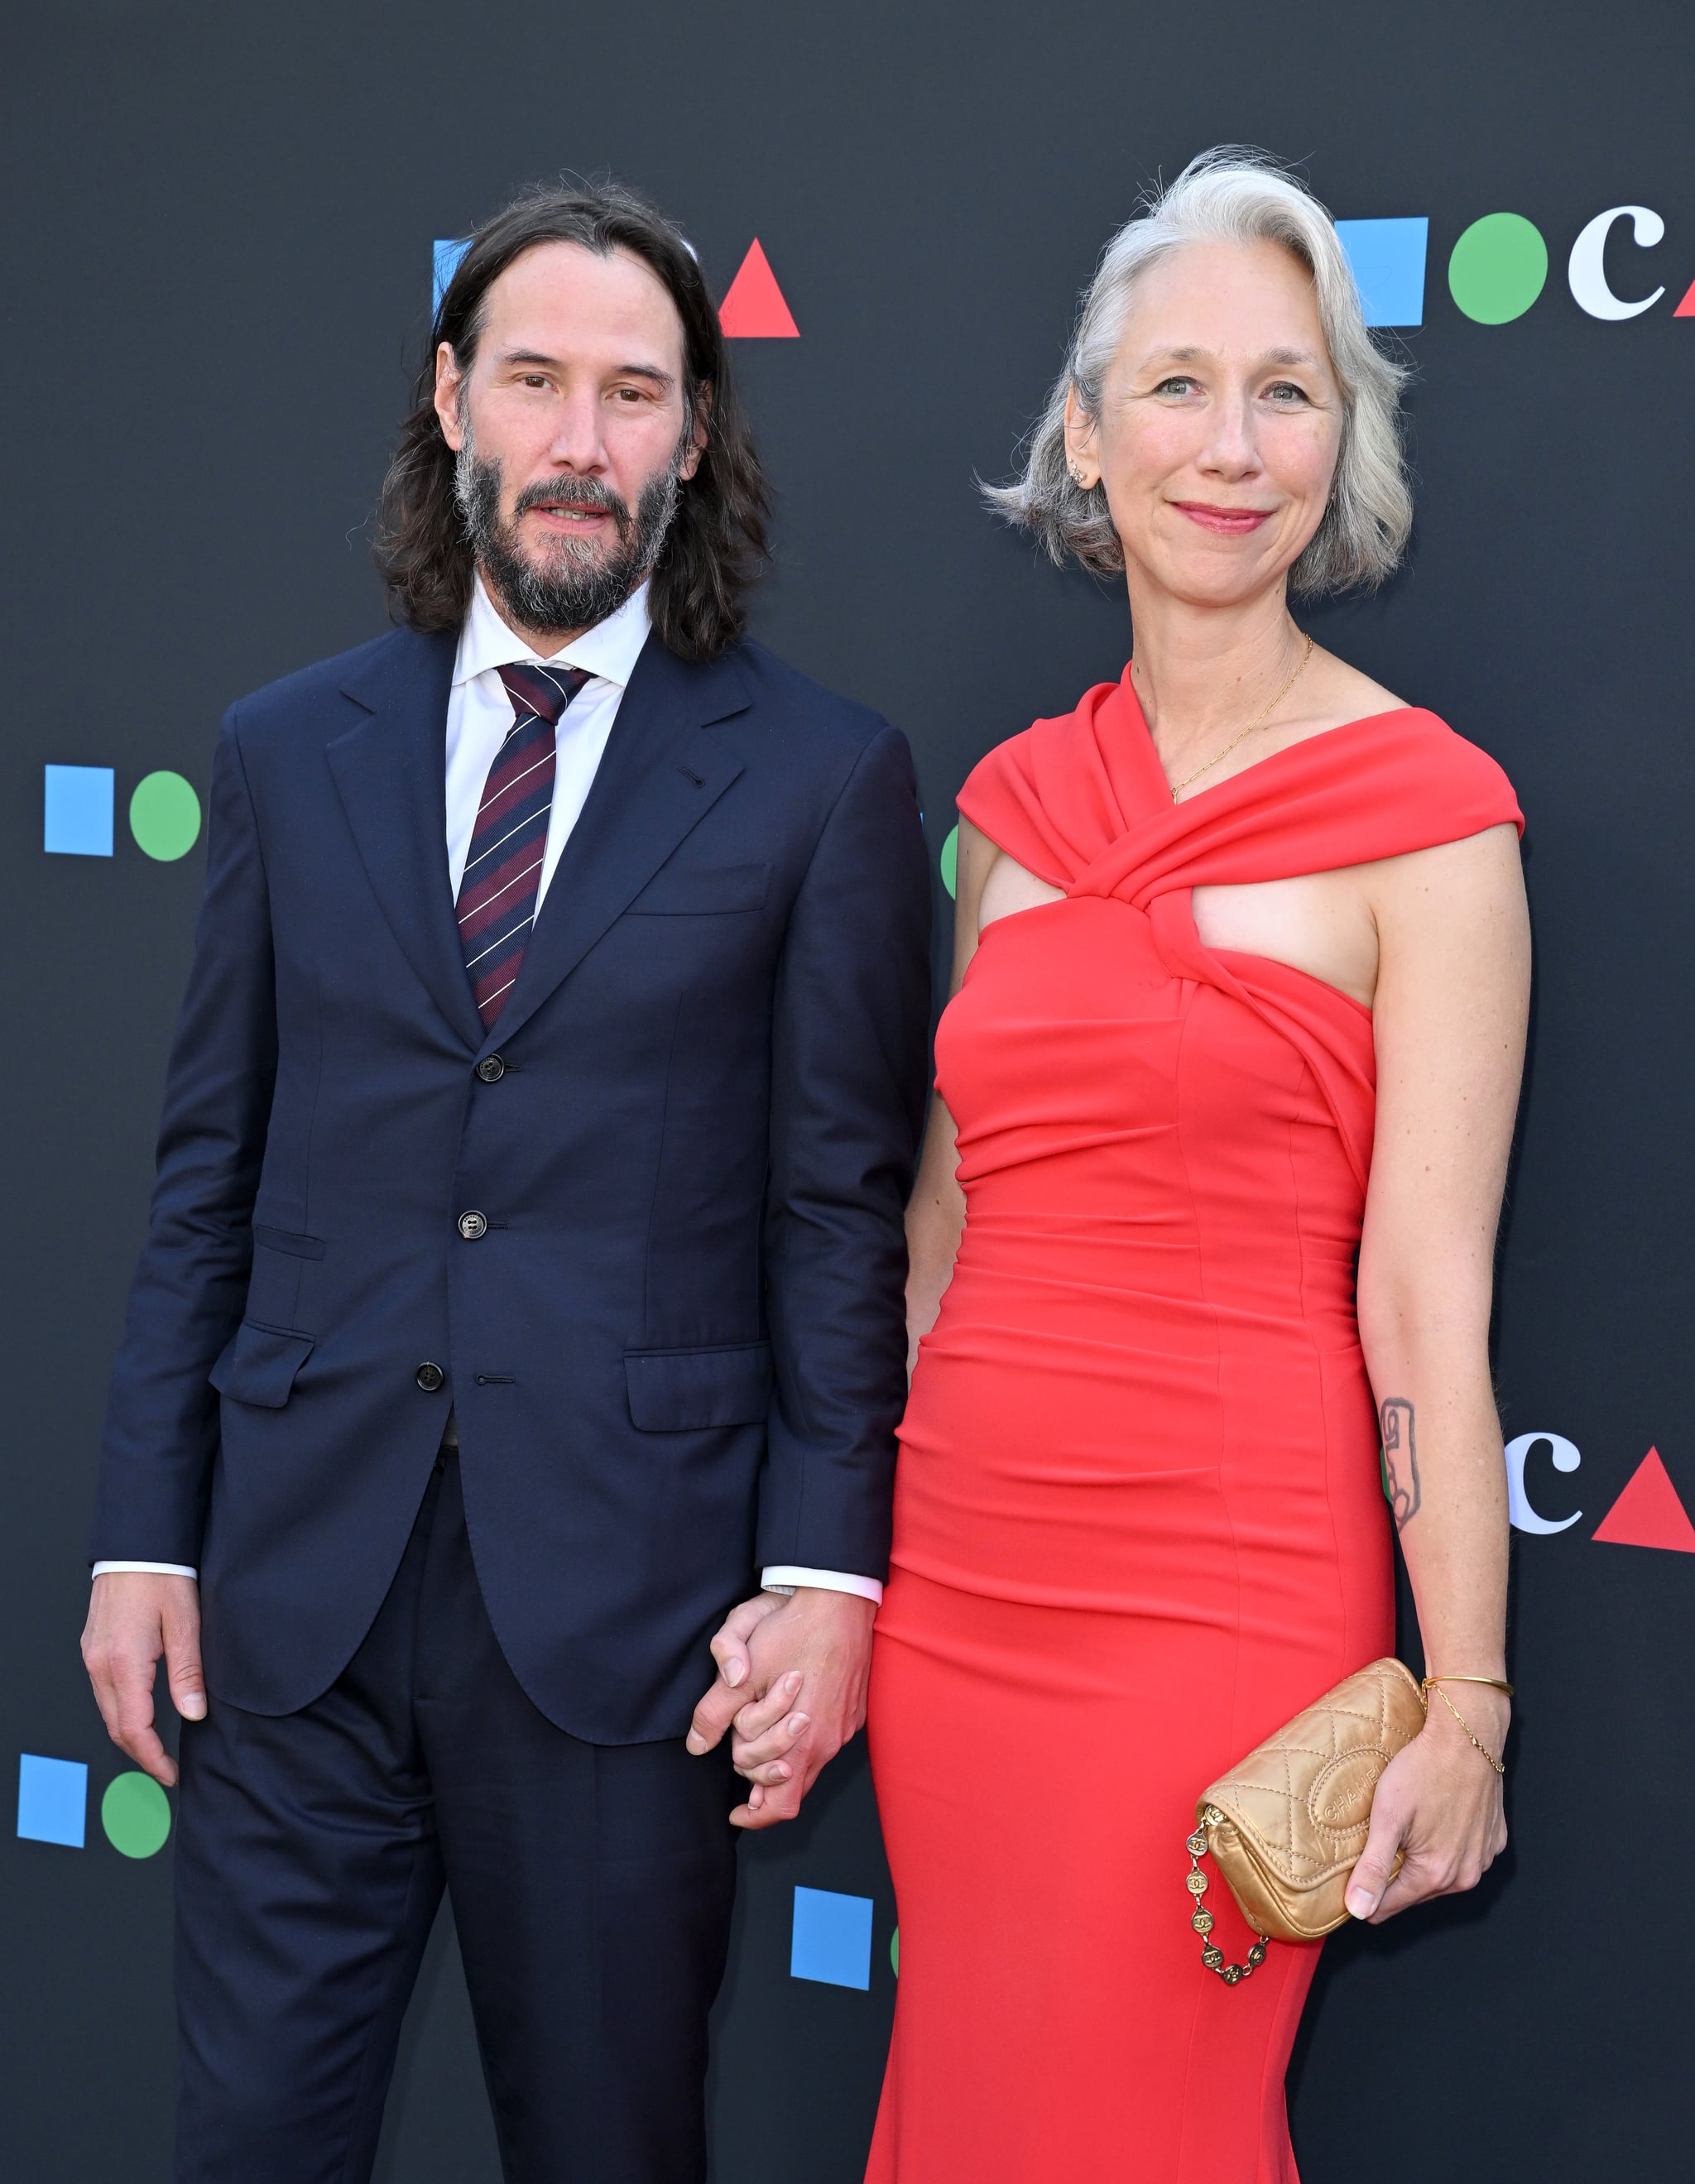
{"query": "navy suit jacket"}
[(677, 1353)]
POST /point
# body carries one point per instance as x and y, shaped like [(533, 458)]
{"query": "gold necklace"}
[(1258, 721)]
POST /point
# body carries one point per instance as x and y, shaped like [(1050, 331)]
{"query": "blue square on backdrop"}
[(77, 810), (53, 1800), (831, 1940), (1388, 260), (446, 257)]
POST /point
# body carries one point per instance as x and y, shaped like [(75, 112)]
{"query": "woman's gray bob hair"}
[(1231, 195)]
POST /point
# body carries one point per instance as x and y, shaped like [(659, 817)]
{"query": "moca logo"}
[(1648, 1514), (1499, 267)]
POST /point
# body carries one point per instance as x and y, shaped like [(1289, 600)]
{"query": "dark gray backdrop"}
[(216, 247)]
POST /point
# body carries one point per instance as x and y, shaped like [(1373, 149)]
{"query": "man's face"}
[(571, 433)]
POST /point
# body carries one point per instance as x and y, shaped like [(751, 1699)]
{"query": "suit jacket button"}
[(492, 1068), (429, 1378), (472, 1225)]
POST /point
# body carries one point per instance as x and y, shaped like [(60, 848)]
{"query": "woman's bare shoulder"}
[(1453, 893), (1343, 694), (1330, 694)]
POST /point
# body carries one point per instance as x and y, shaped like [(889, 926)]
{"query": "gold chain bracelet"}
[(1435, 1684), (1200, 1918)]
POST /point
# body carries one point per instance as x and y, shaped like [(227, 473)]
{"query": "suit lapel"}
[(661, 772), (391, 772)]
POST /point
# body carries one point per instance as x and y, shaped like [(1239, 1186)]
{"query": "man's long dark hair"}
[(715, 549)]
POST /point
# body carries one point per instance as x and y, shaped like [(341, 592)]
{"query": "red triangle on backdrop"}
[(1685, 310), (1648, 1514), (754, 304)]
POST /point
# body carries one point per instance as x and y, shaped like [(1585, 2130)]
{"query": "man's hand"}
[(133, 1616), (792, 1675)]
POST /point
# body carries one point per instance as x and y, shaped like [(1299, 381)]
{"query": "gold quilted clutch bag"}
[(1285, 1826)]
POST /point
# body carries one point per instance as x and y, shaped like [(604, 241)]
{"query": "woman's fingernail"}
[(1360, 1904), (779, 1773), (796, 1723), (734, 1670), (791, 1682)]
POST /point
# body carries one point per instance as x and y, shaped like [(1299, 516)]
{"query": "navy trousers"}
[(591, 1887)]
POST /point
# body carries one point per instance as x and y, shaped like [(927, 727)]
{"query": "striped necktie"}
[(503, 871)]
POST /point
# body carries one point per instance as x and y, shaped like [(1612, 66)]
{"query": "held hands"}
[(1439, 1800), (133, 1616), (791, 1683)]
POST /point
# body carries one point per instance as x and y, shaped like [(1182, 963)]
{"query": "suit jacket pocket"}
[(682, 1390), (281, 1261), (687, 891), (258, 1366), (286, 1239)]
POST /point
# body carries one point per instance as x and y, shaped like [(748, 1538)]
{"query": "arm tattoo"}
[(1400, 1461)]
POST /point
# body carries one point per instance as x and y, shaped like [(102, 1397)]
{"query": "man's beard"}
[(577, 581)]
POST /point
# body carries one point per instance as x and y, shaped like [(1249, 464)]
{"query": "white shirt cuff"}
[(784, 1577), (152, 1569)]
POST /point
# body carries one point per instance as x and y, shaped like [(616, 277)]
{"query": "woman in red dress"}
[(1241, 977)]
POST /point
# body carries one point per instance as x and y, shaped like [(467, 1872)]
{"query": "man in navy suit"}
[(521, 1312)]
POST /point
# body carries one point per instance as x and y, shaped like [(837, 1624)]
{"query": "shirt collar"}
[(609, 650)]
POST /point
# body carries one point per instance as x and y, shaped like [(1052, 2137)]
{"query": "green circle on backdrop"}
[(949, 861), (1497, 268), (135, 1815), (164, 817), (895, 1951)]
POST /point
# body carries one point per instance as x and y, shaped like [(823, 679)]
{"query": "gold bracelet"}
[(1435, 1683), (1494, 1683)]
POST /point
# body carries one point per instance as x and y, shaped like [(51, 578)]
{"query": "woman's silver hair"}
[(1231, 195)]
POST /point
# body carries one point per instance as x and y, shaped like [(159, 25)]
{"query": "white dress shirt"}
[(479, 720)]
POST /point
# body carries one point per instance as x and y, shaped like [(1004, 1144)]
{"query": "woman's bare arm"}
[(1452, 999), (935, 1215)]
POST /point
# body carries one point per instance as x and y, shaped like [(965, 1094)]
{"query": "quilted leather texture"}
[(1296, 1813)]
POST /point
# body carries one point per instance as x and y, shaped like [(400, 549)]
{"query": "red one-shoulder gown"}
[(1139, 1517)]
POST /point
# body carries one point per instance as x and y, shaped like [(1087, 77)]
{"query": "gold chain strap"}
[(1200, 1918)]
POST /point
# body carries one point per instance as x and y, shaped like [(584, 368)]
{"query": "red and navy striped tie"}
[(497, 896)]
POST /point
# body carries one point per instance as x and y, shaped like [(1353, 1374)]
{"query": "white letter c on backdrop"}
[(1565, 1459), (1587, 275)]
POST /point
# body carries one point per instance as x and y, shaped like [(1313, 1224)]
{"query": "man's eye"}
[(533, 379)]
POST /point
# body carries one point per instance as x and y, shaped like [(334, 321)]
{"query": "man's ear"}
[(450, 397), (699, 433)]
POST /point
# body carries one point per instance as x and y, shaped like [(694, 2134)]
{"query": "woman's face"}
[(1220, 422)]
